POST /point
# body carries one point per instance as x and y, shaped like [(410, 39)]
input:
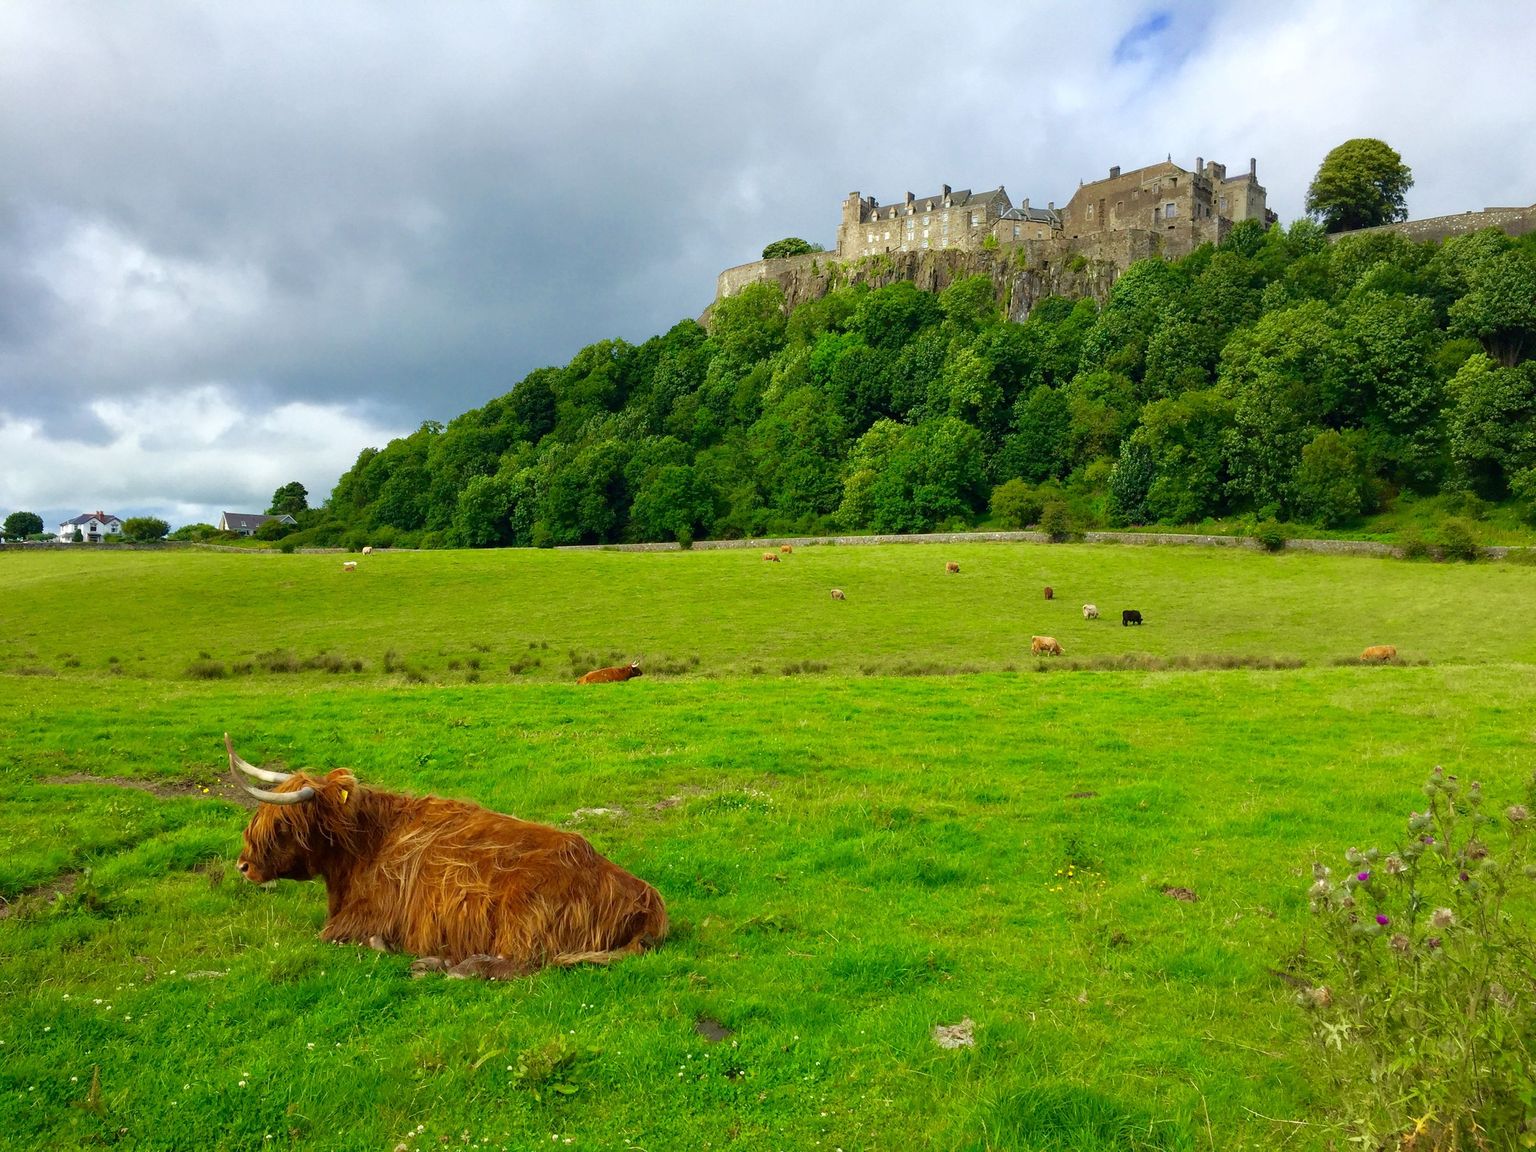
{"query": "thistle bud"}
[(1442, 918), (1516, 814)]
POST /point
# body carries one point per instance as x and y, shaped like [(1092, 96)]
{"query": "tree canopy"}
[(1360, 184), (789, 246), (1278, 375), (291, 499), (20, 525)]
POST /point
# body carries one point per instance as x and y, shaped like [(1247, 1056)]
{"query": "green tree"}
[(1360, 184), (1330, 485), (143, 529), (789, 246), (481, 518), (673, 504), (1015, 505), (1492, 424), (1129, 482), (20, 525), (1500, 308), (290, 499)]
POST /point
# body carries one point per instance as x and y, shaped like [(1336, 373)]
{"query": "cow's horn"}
[(263, 795), (261, 774)]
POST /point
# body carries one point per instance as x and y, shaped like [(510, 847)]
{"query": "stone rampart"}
[(1514, 221)]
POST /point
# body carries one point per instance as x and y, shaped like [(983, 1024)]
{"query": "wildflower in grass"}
[(1363, 877), (1383, 919), (1516, 814), (1442, 918), (1395, 865)]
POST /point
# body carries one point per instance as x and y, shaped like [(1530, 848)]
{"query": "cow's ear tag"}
[(344, 795)]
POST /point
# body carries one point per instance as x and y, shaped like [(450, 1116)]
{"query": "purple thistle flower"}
[(1363, 877), (1383, 919)]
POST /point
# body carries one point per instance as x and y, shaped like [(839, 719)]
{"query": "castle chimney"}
[(1051, 204), (909, 201), (1025, 204), (1199, 163), (1115, 171), (1253, 167), (946, 188)]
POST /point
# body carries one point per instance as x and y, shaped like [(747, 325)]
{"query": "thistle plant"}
[(1424, 1004)]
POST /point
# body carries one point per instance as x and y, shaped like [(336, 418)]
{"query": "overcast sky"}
[(239, 242)]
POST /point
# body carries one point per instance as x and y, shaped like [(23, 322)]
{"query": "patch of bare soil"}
[(46, 893), (1178, 892), (217, 788)]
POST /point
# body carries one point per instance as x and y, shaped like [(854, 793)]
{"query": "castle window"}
[(1015, 231), (1170, 210), (1223, 203), (975, 219)]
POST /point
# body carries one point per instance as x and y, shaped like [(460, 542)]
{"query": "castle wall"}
[(1514, 221), (959, 220)]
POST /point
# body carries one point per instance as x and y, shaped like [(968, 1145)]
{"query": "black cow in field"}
[(1129, 616)]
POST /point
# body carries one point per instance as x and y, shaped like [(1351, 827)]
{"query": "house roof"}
[(958, 198), (87, 517), (253, 519)]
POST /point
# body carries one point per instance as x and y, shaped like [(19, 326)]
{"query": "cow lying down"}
[(469, 891)]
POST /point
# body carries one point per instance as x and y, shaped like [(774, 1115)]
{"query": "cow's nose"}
[(244, 866)]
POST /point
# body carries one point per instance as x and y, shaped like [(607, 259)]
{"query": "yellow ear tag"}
[(344, 795)]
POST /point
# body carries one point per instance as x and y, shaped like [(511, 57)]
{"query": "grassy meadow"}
[(868, 818)]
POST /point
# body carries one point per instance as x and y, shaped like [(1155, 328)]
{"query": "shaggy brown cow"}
[(1380, 652), (837, 594), (470, 891), (609, 675), (771, 556), (1045, 646), (951, 566), (786, 547), (1050, 593)]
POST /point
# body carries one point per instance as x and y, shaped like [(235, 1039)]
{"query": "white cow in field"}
[(1090, 612), (349, 565), (368, 550)]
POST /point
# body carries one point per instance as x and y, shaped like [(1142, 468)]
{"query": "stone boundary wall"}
[(1144, 539), (1513, 221)]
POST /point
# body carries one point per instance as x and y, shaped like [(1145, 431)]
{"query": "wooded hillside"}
[(1277, 376)]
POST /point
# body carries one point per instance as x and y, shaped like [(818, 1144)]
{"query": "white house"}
[(246, 523), (94, 527)]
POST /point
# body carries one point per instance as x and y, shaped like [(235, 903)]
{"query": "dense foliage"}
[(1360, 184), (20, 525), (1276, 377)]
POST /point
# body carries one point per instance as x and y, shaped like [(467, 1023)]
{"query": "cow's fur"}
[(1045, 646), (349, 565), (1090, 612), (771, 557), (472, 892), (1129, 616), (609, 675), (368, 550), (951, 566), (786, 547), (1050, 593), (837, 594), (1380, 652)]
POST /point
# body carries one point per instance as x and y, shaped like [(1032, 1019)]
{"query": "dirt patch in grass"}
[(218, 788), (45, 893), (1179, 892)]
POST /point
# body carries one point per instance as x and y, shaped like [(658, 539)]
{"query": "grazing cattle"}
[(837, 594), (349, 565), (771, 556), (1129, 616), (1379, 652), (609, 675), (1045, 646), (951, 566), (1090, 612), (1050, 593), (786, 547), (470, 891), (368, 550)]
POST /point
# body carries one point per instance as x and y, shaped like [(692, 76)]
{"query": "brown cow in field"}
[(837, 594), (609, 675), (1045, 646), (1379, 652), (772, 557), (1050, 593), (786, 547), (470, 891), (349, 565), (951, 566)]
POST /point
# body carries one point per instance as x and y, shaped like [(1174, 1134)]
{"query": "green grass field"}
[(852, 852)]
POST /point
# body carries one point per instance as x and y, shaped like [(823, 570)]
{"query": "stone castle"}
[(1162, 210)]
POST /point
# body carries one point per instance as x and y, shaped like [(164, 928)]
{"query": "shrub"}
[(1457, 541), (206, 670), (1015, 504), (287, 547), (1056, 520), (1425, 997), (1271, 535), (1413, 544)]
